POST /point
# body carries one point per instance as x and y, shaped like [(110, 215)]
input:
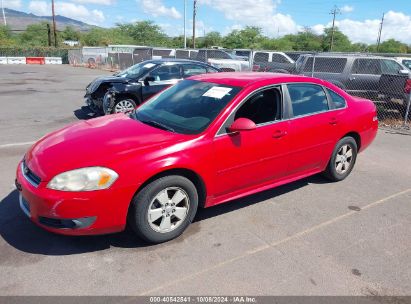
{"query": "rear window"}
[(307, 99), (326, 65)]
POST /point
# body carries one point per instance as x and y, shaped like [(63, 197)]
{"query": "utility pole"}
[(194, 23), (380, 31), (48, 34), (4, 15), (185, 35), (333, 12), (54, 23)]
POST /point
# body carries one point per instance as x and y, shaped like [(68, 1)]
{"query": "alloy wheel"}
[(168, 209)]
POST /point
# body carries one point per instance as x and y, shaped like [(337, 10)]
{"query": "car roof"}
[(176, 60), (243, 79), (341, 55)]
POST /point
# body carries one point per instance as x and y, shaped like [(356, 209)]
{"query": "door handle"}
[(333, 121), (278, 134)]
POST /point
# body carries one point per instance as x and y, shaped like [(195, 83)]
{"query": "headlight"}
[(85, 179)]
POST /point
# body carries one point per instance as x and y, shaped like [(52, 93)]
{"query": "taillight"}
[(256, 68), (407, 88)]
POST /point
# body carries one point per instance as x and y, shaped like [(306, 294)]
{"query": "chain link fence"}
[(383, 79)]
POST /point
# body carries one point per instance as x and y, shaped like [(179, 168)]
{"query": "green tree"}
[(212, 38), (392, 46), (341, 43), (35, 35), (306, 41), (144, 33), (6, 38), (69, 33)]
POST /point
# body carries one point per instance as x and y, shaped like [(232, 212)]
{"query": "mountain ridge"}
[(18, 20)]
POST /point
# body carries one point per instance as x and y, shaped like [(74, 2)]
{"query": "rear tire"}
[(163, 209), (342, 160)]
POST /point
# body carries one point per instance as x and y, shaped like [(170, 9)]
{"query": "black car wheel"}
[(125, 105), (163, 209), (342, 160)]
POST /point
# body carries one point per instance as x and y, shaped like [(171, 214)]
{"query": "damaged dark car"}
[(124, 91)]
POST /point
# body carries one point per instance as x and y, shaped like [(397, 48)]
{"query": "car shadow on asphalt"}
[(84, 113), (18, 231)]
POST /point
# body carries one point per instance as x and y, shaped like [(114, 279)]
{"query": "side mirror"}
[(404, 72), (148, 79), (242, 124)]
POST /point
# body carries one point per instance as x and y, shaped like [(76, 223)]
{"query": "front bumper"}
[(74, 213)]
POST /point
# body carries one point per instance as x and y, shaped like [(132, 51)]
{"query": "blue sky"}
[(359, 19)]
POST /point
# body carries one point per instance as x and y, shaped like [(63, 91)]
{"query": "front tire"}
[(342, 160), (125, 105), (163, 209)]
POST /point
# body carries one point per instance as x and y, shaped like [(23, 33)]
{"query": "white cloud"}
[(67, 9), (101, 2), (156, 8), (13, 4), (261, 13), (347, 9), (397, 26)]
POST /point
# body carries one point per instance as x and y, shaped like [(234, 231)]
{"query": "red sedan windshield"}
[(189, 107)]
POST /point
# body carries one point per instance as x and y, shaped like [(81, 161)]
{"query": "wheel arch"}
[(356, 137), (126, 95), (191, 175)]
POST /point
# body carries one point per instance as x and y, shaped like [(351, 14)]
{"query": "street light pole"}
[(194, 23), (185, 35), (4, 15)]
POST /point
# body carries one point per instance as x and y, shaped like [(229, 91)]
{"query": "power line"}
[(333, 12), (380, 31)]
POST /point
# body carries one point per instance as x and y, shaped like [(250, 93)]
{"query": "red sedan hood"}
[(93, 143)]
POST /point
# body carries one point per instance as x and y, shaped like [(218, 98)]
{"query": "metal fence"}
[(383, 79)]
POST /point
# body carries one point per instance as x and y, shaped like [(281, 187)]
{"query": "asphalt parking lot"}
[(307, 238)]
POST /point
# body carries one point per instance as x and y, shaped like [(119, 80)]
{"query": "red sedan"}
[(202, 142)]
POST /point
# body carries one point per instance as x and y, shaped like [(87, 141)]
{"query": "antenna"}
[(333, 12)]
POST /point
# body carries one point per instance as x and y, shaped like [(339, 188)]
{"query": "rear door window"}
[(337, 100), (366, 66), (307, 99), (261, 57)]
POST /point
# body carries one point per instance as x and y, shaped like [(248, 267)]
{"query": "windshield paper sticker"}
[(217, 92)]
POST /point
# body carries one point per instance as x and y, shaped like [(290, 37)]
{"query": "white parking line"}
[(17, 144), (276, 243)]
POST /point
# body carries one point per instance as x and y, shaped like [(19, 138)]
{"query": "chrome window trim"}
[(216, 135)]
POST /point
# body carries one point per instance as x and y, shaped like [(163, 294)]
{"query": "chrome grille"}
[(30, 175)]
